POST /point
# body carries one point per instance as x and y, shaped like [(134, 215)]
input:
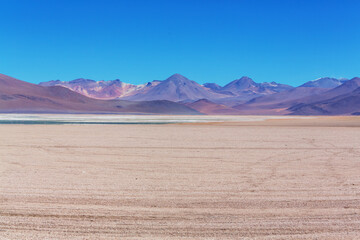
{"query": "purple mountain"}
[(212, 86), (245, 89), (325, 83), (111, 89), (345, 104), (246, 85), (22, 97), (244, 95), (340, 100), (177, 88)]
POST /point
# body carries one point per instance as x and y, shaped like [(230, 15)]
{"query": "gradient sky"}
[(289, 41)]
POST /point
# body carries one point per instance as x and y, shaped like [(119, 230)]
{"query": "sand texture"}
[(278, 179)]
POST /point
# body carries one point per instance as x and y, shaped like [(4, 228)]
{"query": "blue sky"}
[(289, 41)]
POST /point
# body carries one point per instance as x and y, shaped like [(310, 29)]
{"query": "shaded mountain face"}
[(347, 87), (102, 89), (339, 100), (176, 88), (21, 97), (210, 108), (292, 100), (324, 83), (278, 103), (239, 85), (212, 86), (286, 96), (348, 104)]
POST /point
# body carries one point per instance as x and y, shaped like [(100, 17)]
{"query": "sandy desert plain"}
[(218, 178)]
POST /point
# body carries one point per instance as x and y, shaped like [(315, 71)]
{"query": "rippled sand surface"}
[(291, 178)]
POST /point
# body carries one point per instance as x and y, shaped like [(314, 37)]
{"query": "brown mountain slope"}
[(19, 96), (210, 108)]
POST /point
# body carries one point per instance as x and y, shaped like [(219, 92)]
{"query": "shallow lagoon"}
[(47, 119)]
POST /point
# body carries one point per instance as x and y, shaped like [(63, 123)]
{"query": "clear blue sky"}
[(289, 41)]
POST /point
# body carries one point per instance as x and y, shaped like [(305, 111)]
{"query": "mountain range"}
[(180, 95), (22, 97), (176, 88)]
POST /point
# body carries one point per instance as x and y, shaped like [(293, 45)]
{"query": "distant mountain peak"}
[(54, 81), (352, 83), (325, 82), (240, 84), (177, 77), (355, 79), (244, 79), (82, 80), (177, 88), (17, 96)]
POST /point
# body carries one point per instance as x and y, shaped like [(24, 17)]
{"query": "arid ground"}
[(273, 179)]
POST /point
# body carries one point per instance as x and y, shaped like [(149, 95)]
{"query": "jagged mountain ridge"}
[(110, 89), (344, 99), (298, 100), (325, 82), (17, 96), (246, 84), (175, 88), (241, 96)]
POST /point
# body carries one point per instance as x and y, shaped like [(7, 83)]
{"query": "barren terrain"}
[(272, 179)]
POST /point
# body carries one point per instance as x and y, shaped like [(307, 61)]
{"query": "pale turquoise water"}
[(40, 122), (51, 119)]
